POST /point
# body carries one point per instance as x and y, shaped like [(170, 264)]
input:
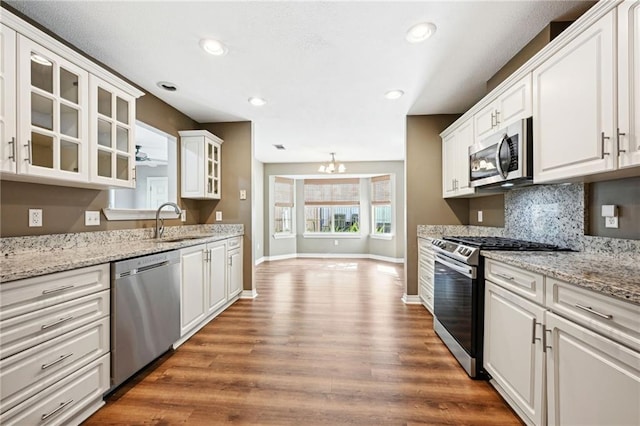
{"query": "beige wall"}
[(236, 169), (492, 210), (425, 205), (63, 207), (625, 193)]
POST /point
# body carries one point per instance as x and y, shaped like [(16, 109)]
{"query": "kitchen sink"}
[(177, 239)]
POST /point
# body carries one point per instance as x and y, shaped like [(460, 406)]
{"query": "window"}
[(381, 211), (332, 205), (283, 206)]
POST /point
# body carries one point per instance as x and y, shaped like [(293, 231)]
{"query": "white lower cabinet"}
[(513, 350), (54, 346), (572, 360), (425, 273), (210, 280)]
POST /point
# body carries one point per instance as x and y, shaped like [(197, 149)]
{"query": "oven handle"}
[(465, 270)]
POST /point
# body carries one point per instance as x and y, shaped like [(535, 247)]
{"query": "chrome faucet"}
[(160, 222)]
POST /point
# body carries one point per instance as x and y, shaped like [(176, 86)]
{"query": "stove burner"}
[(500, 243)]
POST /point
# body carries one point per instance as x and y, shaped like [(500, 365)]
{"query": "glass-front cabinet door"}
[(112, 135), (213, 169), (53, 115), (8, 148)]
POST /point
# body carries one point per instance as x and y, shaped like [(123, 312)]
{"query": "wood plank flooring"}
[(327, 342)]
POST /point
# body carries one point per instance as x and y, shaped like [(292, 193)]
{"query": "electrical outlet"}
[(218, 216), (335, 242), (35, 218), (91, 218), (183, 216), (479, 215), (611, 222), (243, 194)]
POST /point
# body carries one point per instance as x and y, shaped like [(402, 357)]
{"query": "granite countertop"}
[(28, 264), (616, 276)]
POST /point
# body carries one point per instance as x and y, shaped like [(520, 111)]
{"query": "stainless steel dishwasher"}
[(145, 311)]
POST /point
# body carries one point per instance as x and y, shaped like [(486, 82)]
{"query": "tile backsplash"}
[(553, 214)]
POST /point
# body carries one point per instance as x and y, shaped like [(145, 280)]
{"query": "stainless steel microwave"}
[(504, 158)]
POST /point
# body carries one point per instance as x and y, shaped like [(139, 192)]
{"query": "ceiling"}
[(322, 66)]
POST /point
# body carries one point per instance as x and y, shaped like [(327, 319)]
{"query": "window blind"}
[(381, 190), (283, 192), (332, 192)]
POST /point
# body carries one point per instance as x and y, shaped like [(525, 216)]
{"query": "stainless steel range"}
[(459, 293)]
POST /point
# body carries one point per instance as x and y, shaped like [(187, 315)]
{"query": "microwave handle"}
[(503, 173)]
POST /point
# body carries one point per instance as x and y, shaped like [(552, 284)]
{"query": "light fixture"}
[(39, 59), (507, 185), (167, 85), (394, 94), (213, 47), (332, 167), (256, 101), (420, 32)]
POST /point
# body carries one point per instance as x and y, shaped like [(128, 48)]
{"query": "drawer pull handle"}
[(60, 321), (506, 277), (533, 331), (51, 364), (55, 290), (58, 408), (591, 311)]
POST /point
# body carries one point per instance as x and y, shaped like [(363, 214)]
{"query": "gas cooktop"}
[(500, 243)]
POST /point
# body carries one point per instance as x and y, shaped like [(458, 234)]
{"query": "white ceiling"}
[(322, 66)]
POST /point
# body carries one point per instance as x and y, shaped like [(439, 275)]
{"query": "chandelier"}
[(332, 167)]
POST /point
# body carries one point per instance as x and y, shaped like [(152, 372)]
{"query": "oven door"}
[(454, 295)]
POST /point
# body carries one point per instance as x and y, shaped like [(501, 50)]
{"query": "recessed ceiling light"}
[(420, 32), (394, 94), (213, 47), (39, 59), (169, 87), (279, 146), (255, 101)]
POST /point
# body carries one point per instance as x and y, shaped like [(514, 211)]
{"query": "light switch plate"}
[(611, 222), (218, 216), (479, 215), (183, 216), (91, 218), (243, 194), (35, 218)]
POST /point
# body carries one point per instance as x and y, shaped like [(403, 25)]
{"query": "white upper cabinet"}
[(8, 102), (200, 158), (112, 134), (511, 105), (53, 115), (573, 106), (455, 161), (628, 130), (64, 120)]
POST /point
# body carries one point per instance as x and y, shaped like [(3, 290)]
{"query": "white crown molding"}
[(33, 33)]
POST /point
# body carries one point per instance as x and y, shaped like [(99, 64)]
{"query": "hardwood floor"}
[(327, 342)]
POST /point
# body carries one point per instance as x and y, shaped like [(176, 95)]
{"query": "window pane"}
[(41, 111), (41, 150), (122, 110), (69, 121), (382, 219), (104, 133), (122, 167), (104, 163), (346, 219), (282, 219), (122, 139), (68, 86), (317, 219), (68, 156), (104, 102)]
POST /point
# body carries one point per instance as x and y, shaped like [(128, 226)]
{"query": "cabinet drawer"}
[(65, 399), (234, 242), (617, 319), (31, 371), (529, 285), (28, 330), (20, 297)]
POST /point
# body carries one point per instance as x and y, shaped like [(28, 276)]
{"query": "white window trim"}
[(334, 235), (283, 235), (272, 212), (391, 234), (387, 237)]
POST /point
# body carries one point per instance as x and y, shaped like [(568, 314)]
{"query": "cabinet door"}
[(192, 288), (112, 125), (573, 106), (513, 351), (449, 150), (515, 103), (485, 121), (53, 101), (212, 176), (464, 139), (235, 272), (591, 380), (8, 148), (217, 276), (629, 83)]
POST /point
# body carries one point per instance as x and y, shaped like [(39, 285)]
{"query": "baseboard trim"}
[(411, 299), (333, 256), (249, 294), (259, 261)]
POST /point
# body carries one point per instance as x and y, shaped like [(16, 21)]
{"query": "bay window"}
[(332, 206), (381, 208), (283, 206)]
